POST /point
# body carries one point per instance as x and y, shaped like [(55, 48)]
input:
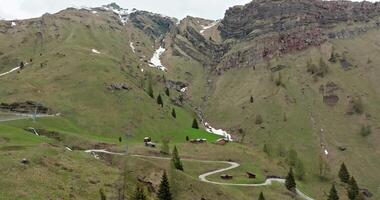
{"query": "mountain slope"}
[(302, 67)]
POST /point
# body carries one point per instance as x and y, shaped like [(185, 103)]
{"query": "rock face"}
[(270, 28), (264, 16), (152, 24), (118, 86), (263, 29), (25, 107), (176, 85)]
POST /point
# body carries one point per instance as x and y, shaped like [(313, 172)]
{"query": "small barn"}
[(251, 175), (226, 177)]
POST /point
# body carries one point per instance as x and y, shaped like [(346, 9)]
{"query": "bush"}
[(259, 119), (365, 131), (357, 105), (320, 70)]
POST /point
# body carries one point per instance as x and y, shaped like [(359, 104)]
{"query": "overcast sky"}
[(210, 9)]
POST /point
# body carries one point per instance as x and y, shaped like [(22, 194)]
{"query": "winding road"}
[(19, 116), (203, 177)]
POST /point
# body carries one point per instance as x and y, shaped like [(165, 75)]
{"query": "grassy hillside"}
[(65, 74), (295, 115)]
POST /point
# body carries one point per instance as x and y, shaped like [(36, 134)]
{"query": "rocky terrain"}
[(283, 80), (274, 28)]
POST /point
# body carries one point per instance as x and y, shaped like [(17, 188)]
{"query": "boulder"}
[(118, 86)]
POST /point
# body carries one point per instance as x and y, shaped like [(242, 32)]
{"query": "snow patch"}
[(204, 28), (94, 12), (95, 51), (220, 132), (69, 149), (142, 70), (132, 47), (13, 24), (326, 152), (123, 13), (183, 90), (155, 61)]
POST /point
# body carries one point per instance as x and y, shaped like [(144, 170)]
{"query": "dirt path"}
[(203, 177)]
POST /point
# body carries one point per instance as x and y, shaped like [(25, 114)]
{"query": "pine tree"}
[(167, 92), (164, 189), (343, 173), (353, 189), (150, 90), (290, 183), (159, 101), (176, 159), (22, 65), (251, 100), (261, 197), (139, 194), (333, 194), (174, 114), (300, 170), (195, 124)]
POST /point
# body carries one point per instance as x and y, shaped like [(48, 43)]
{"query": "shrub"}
[(365, 131), (357, 105), (259, 119)]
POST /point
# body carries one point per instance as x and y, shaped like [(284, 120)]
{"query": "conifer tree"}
[(164, 189), (176, 159), (261, 197), (159, 101), (343, 173), (333, 194), (174, 114), (353, 189), (167, 92), (139, 194), (22, 65), (195, 124), (150, 90), (251, 100), (290, 183)]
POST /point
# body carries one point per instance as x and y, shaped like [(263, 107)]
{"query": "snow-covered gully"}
[(156, 59), (203, 177)]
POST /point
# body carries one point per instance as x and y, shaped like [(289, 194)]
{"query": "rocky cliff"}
[(263, 29)]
